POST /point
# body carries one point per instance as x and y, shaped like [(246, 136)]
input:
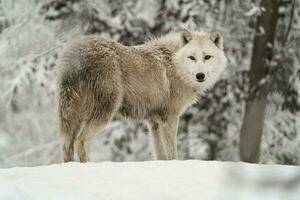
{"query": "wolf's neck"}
[(171, 41), (180, 88)]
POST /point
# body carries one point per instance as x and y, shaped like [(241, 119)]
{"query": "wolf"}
[(98, 78)]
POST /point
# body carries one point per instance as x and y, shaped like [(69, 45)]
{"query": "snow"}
[(208, 130), (10, 191), (151, 180), (262, 30), (254, 10)]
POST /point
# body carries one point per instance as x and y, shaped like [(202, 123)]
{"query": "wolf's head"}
[(201, 58)]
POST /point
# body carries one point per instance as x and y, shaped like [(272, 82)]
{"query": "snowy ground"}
[(154, 180)]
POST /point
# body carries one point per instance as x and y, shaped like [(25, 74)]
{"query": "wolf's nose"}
[(200, 77)]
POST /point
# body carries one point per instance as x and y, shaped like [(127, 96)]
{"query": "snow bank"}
[(152, 180)]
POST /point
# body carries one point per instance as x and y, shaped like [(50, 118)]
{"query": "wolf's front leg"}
[(168, 133), (156, 140)]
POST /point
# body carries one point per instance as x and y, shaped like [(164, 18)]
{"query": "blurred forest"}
[(256, 101)]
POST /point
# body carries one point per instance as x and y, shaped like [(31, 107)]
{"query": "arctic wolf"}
[(154, 82)]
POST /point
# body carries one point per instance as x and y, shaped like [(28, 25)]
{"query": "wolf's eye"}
[(207, 57), (192, 58)]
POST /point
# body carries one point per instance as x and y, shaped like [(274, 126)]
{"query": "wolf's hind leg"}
[(68, 148), (67, 120), (101, 110), (82, 141), (88, 130)]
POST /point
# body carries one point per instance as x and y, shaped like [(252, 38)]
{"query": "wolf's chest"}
[(139, 106), (131, 112)]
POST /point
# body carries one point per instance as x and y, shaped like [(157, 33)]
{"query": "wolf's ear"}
[(186, 36), (217, 39)]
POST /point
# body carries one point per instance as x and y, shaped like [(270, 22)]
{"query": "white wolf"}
[(154, 82)]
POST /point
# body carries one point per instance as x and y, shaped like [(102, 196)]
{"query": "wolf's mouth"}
[(200, 81)]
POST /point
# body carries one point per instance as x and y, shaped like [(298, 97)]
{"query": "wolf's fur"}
[(154, 82)]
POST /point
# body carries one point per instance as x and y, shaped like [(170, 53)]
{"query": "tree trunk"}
[(253, 122)]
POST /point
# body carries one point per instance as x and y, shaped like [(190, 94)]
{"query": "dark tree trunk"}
[(253, 122)]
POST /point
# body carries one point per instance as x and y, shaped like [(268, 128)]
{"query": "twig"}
[(46, 52), (23, 73), (31, 151), (285, 38)]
